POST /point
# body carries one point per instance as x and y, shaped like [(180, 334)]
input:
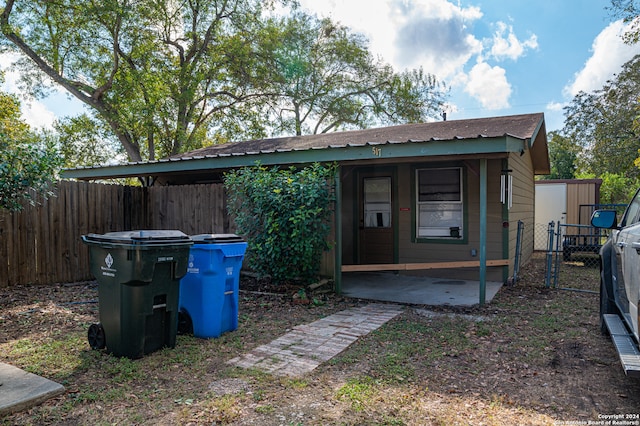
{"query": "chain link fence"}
[(572, 250)]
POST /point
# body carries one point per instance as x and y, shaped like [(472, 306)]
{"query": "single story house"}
[(442, 197)]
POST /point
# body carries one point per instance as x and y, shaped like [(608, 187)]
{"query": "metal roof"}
[(472, 136)]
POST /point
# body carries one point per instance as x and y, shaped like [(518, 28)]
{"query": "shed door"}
[(376, 220), (551, 206)]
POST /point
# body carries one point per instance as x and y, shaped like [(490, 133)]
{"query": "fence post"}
[(516, 265), (550, 230), (558, 253)]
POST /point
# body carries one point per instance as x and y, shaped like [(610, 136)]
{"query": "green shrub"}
[(284, 215)]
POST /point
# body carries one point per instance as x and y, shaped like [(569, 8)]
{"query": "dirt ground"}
[(534, 355)]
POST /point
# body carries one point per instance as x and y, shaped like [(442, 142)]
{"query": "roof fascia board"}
[(534, 135), (369, 151)]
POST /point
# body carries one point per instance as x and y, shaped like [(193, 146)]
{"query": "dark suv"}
[(620, 282)]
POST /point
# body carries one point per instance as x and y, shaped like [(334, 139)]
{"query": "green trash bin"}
[(138, 275)]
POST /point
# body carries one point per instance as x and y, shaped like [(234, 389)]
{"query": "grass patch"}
[(358, 392), (265, 409), (123, 370), (295, 383), (216, 410), (58, 357), (416, 369)]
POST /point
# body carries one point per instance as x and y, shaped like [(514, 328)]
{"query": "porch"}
[(418, 290)]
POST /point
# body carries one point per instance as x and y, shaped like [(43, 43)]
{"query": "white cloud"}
[(34, 112), (37, 115), (434, 34), (370, 19), (489, 86), (410, 33), (555, 106), (609, 53), (505, 44)]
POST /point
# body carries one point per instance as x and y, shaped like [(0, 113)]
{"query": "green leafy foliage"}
[(160, 75), (168, 77), (324, 78), (83, 141), (628, 11), (616, 188), (602, 124), (28, 161), (284, 215), (563, 155)]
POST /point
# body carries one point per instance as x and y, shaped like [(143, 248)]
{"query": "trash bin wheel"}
[(96, 337), (185, 324)]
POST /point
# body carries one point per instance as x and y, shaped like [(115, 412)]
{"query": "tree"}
[(563, 155), (170, 76), (158, 73), (617, 189), (82, 141), (27, 163), (629, 12), (602, 123), (324, 78)]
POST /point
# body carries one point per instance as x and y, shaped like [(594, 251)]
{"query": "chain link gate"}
[(572, 253), (572, 257)]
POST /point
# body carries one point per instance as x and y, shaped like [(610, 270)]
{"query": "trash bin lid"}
[(216, 238), (140, 237)]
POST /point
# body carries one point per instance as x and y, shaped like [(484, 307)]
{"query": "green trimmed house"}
[(443, 198)]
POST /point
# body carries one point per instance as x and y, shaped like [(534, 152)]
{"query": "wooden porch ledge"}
[(421, 266)]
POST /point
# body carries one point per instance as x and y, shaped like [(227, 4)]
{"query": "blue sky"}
[(498, 57)]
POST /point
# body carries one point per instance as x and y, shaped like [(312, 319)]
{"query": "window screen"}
[(439, 199)]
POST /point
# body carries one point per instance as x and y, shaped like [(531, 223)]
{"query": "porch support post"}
[(337, 274), (483, 230)]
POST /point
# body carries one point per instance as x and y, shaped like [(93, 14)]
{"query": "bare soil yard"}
[(533, 356)]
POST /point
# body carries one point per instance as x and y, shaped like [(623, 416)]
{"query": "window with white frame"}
[(439, 203)]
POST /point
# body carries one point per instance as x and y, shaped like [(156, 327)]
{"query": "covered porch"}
[(418, 290)]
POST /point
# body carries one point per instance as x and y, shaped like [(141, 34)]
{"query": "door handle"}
[(621, 244), (636, 246)]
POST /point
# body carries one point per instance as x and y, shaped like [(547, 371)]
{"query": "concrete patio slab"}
[(20, 390), (419, 290)]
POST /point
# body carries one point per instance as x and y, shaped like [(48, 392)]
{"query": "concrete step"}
[(625, 345), (20, 390)]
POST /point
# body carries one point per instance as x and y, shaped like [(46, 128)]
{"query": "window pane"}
[(631, 215), (438, 220), (377, 202), (377, 190), (439, 203), (439, 185)]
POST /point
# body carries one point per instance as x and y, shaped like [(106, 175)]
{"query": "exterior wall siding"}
[(412, 251), (523, 206)]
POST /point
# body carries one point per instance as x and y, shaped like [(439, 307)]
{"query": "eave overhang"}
[(389, 150)]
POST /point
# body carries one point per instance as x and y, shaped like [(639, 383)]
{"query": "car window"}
[(631, 215)]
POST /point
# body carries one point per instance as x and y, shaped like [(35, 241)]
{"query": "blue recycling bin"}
[(209, 290)]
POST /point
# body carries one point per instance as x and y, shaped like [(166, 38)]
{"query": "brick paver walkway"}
[(309, 345)]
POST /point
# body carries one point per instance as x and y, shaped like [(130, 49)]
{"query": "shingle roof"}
[(518, 126), (441, 138)]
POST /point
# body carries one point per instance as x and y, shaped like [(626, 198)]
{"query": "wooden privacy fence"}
[(42, 244)]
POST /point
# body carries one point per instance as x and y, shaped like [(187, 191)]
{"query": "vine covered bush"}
[(285, 216)]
